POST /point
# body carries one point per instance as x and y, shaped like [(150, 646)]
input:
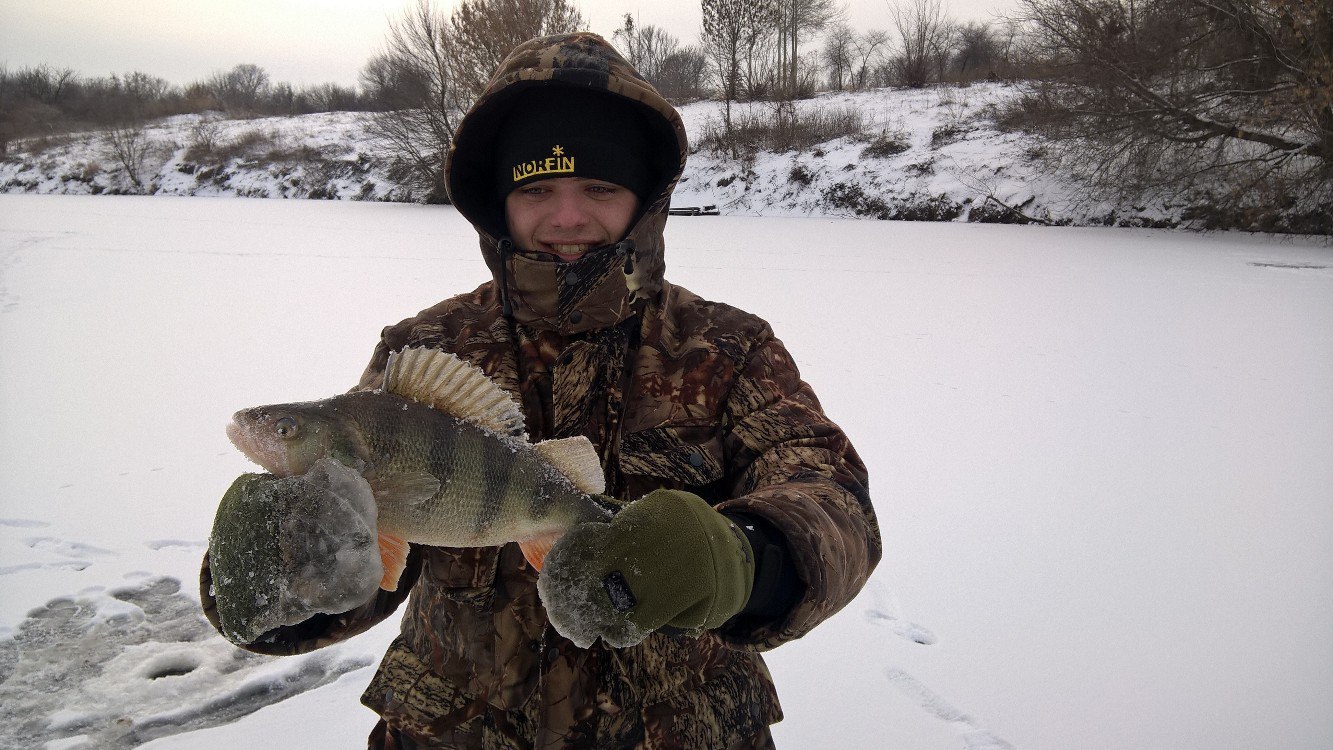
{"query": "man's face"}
[(568, 216)]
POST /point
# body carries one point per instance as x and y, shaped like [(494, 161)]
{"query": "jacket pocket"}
[(676, 456), (725, 710), (463, 574), (412, 698)]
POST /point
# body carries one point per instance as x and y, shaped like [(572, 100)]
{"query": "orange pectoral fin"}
[(393, 554), (536, 549)]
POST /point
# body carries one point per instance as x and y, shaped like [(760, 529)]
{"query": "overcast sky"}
[(298, 41)]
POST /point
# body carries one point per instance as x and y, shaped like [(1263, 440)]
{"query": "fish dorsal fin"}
[(577, 459), (442, 381)]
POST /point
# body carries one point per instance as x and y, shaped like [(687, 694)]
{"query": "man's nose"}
[(569, 212)]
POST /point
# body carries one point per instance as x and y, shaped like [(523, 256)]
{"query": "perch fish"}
[(445, 453)]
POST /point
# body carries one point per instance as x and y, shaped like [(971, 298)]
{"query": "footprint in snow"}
[(974, 736), (65, 548), (65, 565), (885, 611), (23, 523), (115, 669), (180, 544)]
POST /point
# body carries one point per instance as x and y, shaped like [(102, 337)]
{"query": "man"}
[(746, 518)]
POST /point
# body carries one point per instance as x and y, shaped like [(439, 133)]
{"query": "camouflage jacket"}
[(674, 391)]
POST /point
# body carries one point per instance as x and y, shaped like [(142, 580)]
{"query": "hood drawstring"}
[(625, 250), (505, 247)]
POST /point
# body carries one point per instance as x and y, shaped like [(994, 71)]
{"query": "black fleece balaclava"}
[(562, 131)]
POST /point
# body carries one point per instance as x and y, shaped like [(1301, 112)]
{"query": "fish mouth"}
[(249, 439)]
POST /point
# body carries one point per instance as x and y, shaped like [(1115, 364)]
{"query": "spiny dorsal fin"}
[(577, 459), (443, 381)]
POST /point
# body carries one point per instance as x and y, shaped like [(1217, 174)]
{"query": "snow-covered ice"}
[(1102, 458)]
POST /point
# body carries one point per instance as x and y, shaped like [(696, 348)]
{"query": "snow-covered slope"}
[(1102, 461), (931, 153)]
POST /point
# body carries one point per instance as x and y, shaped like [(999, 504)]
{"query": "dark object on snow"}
[(709, 210)]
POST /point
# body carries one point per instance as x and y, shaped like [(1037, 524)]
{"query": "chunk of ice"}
[(284, 549)]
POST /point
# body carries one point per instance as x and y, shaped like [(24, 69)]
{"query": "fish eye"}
[(286, 427)]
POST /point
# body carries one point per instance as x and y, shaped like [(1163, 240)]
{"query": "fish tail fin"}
[(577, 459), (393, 554), (536, 549)]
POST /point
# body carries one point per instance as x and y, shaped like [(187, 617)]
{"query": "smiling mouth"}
[(569, 252)]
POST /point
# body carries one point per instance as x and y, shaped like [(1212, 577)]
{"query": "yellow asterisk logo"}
[(558, 150)]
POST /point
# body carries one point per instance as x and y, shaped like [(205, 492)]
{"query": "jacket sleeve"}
[(794, 469)]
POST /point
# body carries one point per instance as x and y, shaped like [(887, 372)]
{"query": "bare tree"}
[(729, 30), (433, 68), (646, 47), (145, 92), (839, 49), (683, 74), (923, 32), (976, 51), (240, 89), (867, 48), (796, 20), (1159, 94), (30, 101), (482, 32), (721, 34), (42, 83), (410, 80)]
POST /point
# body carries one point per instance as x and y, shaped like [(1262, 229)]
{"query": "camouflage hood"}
[(606, 286)]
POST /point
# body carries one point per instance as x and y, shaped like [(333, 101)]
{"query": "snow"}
[(954, 163), (1101, 458)]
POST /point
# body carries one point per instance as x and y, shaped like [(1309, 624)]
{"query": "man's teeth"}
[(570, 249)]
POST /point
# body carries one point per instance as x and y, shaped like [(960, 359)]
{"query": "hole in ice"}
[(170, 665)]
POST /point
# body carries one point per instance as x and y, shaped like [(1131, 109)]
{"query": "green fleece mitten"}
[(667, 559)]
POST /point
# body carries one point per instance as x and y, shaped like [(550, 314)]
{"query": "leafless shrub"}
[(781, 128), (211, 148), (205, 136), (886, 144), (852, 197), (41, 144), (130, 148), (946, 134)]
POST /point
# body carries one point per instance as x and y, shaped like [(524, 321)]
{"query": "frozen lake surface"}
[(1103, 463)]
